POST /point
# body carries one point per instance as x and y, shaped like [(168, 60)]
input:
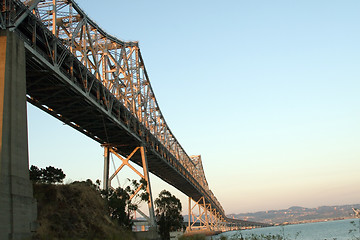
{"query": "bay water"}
[(332, 230)]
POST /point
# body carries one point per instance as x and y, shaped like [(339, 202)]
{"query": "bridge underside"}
[(50, 90)]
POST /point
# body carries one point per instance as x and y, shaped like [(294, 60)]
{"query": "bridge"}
[(55, 57)]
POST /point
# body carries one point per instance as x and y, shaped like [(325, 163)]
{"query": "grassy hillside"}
[(74, 211)]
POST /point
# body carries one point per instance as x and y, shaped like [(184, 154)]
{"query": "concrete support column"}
[(106, 168), (17, 205)]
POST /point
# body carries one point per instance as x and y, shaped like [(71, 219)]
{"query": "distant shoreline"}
[(314, 221), (299, 215)]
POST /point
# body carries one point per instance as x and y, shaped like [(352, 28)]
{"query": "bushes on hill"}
[(74, 211), (123, 201), (81, 210)]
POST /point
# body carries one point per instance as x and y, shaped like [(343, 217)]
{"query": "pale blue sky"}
[(266, 91)]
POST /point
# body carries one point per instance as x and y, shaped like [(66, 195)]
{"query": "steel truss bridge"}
[(99, 85)]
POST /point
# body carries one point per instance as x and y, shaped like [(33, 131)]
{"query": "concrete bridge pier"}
[(17, 205)]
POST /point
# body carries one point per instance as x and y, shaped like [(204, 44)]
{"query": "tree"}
[(123, 201), (48, 175), (53, 175), (168, 214), (35, 173)]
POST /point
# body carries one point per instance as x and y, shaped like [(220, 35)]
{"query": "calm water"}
[(334, 230)]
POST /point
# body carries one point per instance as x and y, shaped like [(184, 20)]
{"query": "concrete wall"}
[(17, 205), (147, 235)]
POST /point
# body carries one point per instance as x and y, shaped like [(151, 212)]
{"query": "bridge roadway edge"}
[(18, 208)]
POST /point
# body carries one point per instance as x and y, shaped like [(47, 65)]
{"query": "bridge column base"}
[(17, 205)]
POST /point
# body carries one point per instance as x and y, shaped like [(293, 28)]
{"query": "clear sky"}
[(266, 91)]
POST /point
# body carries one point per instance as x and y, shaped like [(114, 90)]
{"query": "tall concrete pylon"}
[(17, 205)]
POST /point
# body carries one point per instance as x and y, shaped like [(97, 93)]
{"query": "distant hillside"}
[(299, 214)]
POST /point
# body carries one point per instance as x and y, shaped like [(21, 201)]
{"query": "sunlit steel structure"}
[(99, 85)]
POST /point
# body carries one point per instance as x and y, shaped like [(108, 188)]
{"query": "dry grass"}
[(74, 211)]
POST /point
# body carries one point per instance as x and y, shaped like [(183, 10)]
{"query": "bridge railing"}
[(117, 64)]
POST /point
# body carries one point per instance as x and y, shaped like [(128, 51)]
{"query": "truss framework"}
[(203, 217), (110, 74)]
